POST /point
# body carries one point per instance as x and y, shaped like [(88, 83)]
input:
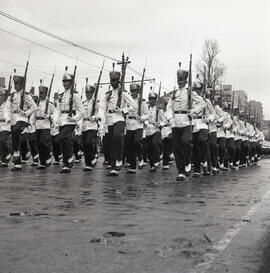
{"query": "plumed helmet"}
[(115, 75), (152, 95), (43, 88), (182, 74), (17, 78), (134, 87), (89, 88)]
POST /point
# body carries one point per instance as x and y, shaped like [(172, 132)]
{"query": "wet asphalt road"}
[(88, 222)]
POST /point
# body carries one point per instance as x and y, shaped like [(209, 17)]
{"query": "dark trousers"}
[(238, 145), (167, 149), (244, 151), (134, 146), (105, 148), (43, 143), (56, 147), (153, 148), (182, 147), (213, 149), (33, 144), (230, 149), (4, 148), (24, 145), (145, 153), (252, 150), (200, 148), (221, 149), (77, 145), (16, 131), (64, 139), (116, 136), (89, 145)]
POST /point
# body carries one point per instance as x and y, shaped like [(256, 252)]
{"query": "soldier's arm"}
[(130, 104), (145, 112), (79, 107), (198, 103), (32, 105)]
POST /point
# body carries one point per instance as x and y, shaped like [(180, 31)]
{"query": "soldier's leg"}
[(117, 141), (177, 146), (57, 151), (34, 148), (166, 151), (213, 150), (64, 139), (156, 144), (16, 131), (4, 149), (150, 150), (25, 151), (106, 148), (222, 151), (231, 150), (92, 135), (196, 153), (44, 145), (138, 140), (130, 149), (186, 150)]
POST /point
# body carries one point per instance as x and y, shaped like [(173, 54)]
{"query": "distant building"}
[(2, 81), (239, 101), (255, 112)]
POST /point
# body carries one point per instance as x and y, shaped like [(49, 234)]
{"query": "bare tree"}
[(209, 61)]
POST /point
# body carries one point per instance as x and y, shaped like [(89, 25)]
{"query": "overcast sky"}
[(163, 32)]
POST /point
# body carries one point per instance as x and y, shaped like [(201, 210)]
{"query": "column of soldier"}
[(188, 125)]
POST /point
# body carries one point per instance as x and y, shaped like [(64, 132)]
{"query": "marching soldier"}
[(32, 137), (5, 127), (212, 137), (134, 135), (181, 124), (43, 127), (166, 134), (153, 134), (115, 118), (66, 122), (221, 135), (20, 118), (90, 128), (200, 136), (56, 147), (230, 148)]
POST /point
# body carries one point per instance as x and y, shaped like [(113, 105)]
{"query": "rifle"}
[(72, 91), (24, 84), (157, 111), (49, 94), (141, 95), (124, 64), (190, 88), (96, 91), (9, 85)]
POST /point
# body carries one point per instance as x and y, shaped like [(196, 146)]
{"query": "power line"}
[(54, 35), (61, 39), (48, 48)]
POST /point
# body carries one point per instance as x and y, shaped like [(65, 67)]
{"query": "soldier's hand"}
[(118, 110), (205, 119), (71, 119), (23, 113), (190, 113), (92, 118)]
